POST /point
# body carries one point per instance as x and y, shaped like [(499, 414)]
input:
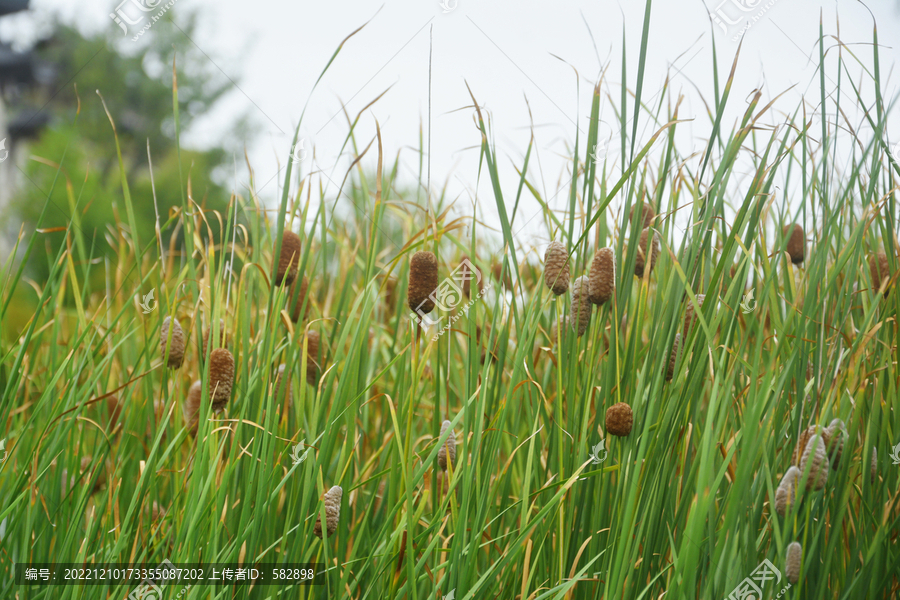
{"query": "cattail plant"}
[(423, 281), (289, 259), (191, 407), (176, 349), (441, 485), (690, 316), (283, 384), (602, 281), (796, 243), (793, 561), (221, 377), (873, 470), (312, 358), (619, 419), (556, 268), (673, 357), (880, 271), (223, 338), (301, 304), (640, 261), (580, 316), (814, 459), (786, 494), (647, 217), (466, 274), (497, 272), (332, 501), (448, 450)]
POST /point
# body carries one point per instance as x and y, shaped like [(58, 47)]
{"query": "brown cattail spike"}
[(191, 407), (880, 271), (223, 338), (673, 357), (283, 384), (221, 377), (301, 304), (332, 501), (556, 268), (288, 259), (602, 276), (423, 281), (648, 215), (176, 349), (814, 461), (641, 259), (834, 439), (113, 409), (313, 361), (467, 272), (580, 316), (786, 494), (448, 450), (793, 561), (796, 243), (619, 419), (690, 315)]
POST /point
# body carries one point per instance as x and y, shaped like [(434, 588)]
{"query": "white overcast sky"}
[(506, 52)]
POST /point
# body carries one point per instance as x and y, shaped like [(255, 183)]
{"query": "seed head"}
[(497, 272), (580, 312), (602, 276), (556, 268), (648, 214), (289, 259), (786, 494), (690, 316), (796, 242), (191, 407), (834, 438), (816, 460), (803, 440), (301, 299), (332, 501), (793, 561), (619, 419), (312, 358), (223, 338), (874, 468), (221, 377), (466, 274), (113, 409), (176, 350), (640, 260), (880, 271), (283, 384), (423, 281), (448, 450), (673, 357)]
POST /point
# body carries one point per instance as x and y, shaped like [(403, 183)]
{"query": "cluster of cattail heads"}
[(619, 419), (556, 268), (880, 271), (221, 377), (580, 315), (466, 274), (447, 452), (646, 258), (176, 347), (423, 281), (796, 243), (288, 259), (793, 561), (332, 501), (816, 449), (602, 277)]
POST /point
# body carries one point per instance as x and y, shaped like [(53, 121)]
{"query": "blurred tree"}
[(135, 80)]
